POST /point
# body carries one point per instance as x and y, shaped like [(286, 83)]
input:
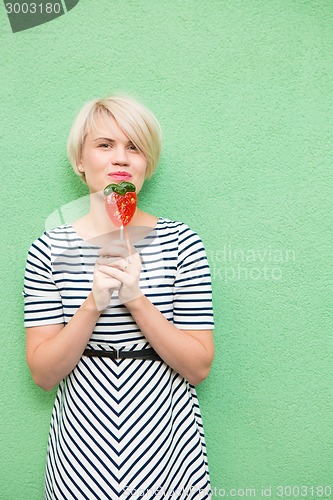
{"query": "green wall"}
[(243, 91)]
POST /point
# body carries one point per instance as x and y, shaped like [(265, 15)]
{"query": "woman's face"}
[(108, 156)]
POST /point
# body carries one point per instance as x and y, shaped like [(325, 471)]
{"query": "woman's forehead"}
[(106, 127)]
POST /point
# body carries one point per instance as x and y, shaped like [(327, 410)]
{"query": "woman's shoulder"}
[(65, 232), (178, 236), (185, 235), (58, 235)]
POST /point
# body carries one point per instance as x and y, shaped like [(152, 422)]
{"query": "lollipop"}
[(120, 203)]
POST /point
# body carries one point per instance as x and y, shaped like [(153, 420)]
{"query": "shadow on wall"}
[(26, 15)]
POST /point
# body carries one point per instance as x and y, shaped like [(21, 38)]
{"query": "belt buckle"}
[(117, 352)]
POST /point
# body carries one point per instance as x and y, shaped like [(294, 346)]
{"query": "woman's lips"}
[(120, 176)]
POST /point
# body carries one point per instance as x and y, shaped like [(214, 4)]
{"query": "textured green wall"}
[(243, 91)]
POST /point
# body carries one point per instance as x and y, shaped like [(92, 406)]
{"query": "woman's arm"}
[(53, 351), (189, 352)]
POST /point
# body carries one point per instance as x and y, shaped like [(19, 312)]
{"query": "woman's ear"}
[(80, 167)]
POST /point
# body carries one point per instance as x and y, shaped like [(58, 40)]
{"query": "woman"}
[(123, 325)]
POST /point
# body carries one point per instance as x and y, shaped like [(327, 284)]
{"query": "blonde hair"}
[(135, 120)]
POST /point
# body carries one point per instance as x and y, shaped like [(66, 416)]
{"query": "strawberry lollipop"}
[(120, 202)]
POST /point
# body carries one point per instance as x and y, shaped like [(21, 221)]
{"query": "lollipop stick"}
[(122, 230), (128, 242)]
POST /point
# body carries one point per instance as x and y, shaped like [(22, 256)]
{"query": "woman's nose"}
[(120, 156)]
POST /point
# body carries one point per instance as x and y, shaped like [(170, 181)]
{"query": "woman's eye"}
[(104, 145), (132, 147)]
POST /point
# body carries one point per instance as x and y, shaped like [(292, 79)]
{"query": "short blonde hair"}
[(135, 120)]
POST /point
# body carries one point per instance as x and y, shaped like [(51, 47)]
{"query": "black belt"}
[(120, 354)]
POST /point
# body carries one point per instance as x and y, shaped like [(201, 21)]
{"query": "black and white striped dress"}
[(125, 428)]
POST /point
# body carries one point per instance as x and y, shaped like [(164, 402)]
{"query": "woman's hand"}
[(122, 268), (103, 287)]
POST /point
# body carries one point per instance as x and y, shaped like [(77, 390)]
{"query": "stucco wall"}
[(243, 91)]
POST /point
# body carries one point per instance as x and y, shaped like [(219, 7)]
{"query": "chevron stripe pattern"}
[(123, 428)]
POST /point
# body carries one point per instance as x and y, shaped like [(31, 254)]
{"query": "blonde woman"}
[(123, 327)]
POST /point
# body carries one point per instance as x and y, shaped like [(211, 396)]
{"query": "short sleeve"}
[(42, 300), (192, 294)]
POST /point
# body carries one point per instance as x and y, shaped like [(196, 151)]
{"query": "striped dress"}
[(126, 428)]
